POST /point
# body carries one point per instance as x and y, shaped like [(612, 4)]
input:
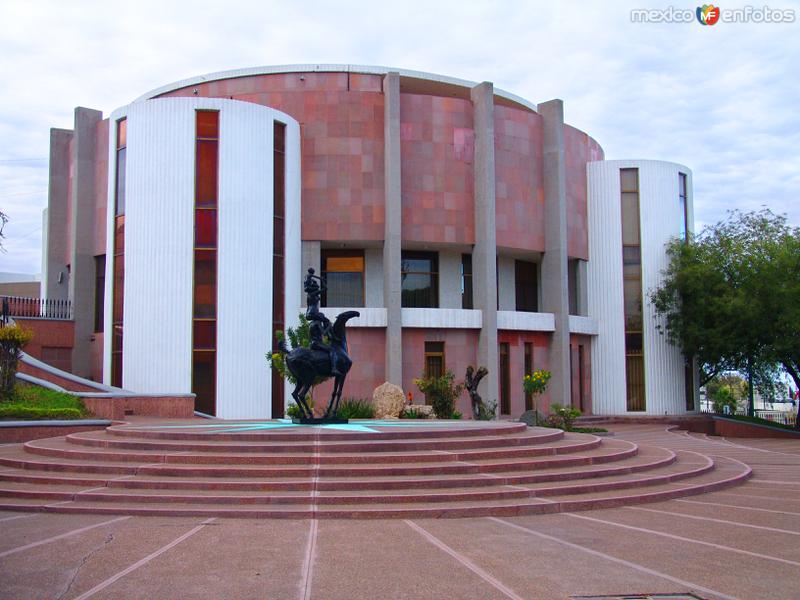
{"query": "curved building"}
[(467, 225)]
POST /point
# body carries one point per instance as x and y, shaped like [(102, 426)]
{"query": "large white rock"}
[(388, 400)]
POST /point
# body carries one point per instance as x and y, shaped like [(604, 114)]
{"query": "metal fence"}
[(783, 417), (36, 308)]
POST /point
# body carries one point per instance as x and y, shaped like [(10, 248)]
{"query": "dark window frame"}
[(433, 257)]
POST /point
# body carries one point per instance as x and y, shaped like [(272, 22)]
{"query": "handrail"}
[(37, 308)]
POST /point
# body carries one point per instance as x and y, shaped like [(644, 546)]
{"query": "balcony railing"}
[(36, 308)]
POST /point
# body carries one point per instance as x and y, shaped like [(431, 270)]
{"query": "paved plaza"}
[(741, 542)]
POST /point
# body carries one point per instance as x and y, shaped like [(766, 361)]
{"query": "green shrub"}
[(35, 413), (442, 392), (456, 415), (356, 408), (412, 413), (293, 410), (562, 417), (12, 339), (589, 430), (487, 411)]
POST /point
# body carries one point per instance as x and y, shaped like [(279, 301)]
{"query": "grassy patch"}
[(355, 408), (30, 402), (589, 430), (758, 421)]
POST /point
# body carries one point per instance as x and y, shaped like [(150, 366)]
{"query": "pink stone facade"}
[(516, 341), (519, 187), (459, 352), (579, 149), (343, 191), (341, 117), (437, 148)]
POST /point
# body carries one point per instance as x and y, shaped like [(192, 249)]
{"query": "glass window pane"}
[(629, 180), (631, 255), (206, 175), (205, 282), (207, 124), (344, 263), (630, 219), (120, 183), (417, 291), (119, 282), (634, 366), (119, 234), (417, 265), (205, 232), (526, 286), (122, 133), (204, 380), (345, 289), (205, 334)]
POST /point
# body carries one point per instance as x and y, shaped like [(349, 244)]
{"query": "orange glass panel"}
[(207, 124), (347, 264), (205, 283), (205, 228), (205, 335), (122, 133), (119, 234), (206, 174), (119, 282)]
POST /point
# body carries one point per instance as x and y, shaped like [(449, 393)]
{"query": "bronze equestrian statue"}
[(320, 361)]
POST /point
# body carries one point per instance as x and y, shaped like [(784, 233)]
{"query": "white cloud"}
[(720, 99)]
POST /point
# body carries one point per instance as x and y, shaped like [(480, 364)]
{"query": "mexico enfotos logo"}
[(710, 14)]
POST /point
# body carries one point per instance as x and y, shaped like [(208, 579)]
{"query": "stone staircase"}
[(367, 470)]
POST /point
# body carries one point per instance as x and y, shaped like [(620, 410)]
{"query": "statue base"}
[(320, 421)]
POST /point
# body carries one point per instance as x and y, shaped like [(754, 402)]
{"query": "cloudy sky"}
[(721, 99)]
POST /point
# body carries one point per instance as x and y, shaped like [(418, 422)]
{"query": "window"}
[(118, 295), (99, 291), (420, 280), (528, 371), (344, 274), (632, 289), (505, 378), (278, 243), (466, 281), (682, 202), (573, 267), (434, 362), (204, 323), (526, 283)]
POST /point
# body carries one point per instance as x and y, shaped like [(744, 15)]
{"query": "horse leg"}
[(339, 387), (331, 402), (299, 396)]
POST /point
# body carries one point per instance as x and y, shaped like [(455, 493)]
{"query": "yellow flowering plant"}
[(535, 384)]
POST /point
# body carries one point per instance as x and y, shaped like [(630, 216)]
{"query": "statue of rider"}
[(320, 324)]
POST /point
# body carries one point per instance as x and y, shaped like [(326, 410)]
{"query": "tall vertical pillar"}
[(392, 244), (555, 279), (55, 281), (484, 253), (82, 275)]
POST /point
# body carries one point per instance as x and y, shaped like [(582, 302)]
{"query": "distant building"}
[(466, 224)]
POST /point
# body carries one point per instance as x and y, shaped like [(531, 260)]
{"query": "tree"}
[(730, 296)]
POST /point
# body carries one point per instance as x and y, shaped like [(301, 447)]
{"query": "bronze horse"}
[(308, 365)]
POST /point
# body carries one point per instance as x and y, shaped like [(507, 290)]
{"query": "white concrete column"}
[(484, 254), (392, 247), (555, 282)]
